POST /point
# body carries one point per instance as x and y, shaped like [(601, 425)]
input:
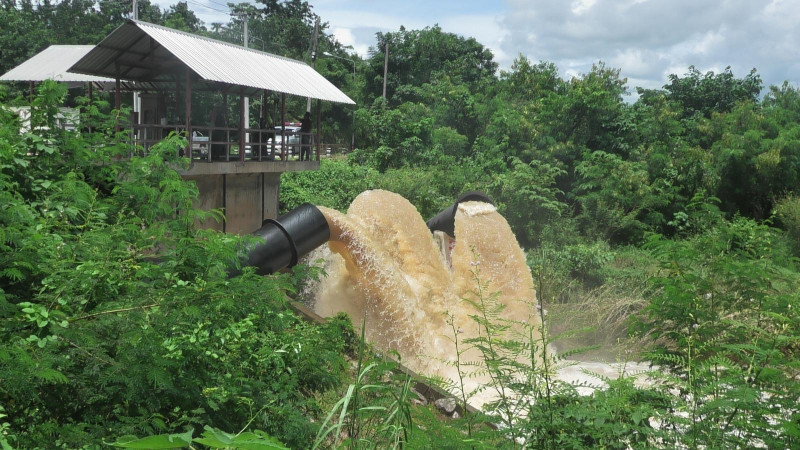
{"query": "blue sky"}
[(646, 39)]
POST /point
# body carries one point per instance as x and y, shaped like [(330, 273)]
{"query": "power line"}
[(217, 3), (208, 7)]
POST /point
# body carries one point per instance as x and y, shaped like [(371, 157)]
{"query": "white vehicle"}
[(199, 144), (291, 139)]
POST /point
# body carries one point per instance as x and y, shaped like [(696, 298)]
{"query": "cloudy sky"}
[(647, 39)]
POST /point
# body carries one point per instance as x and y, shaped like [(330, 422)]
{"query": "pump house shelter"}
[(236, 167), (53, 63)]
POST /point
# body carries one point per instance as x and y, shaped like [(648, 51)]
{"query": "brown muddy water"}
[(410, 286)]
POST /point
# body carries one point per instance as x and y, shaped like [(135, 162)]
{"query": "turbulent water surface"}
[(385, 265)]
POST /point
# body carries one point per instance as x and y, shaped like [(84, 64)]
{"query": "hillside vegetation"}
[(673, 219)]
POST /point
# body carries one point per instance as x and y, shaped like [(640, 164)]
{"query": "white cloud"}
[(647, 39), (485, 28), (650, 39), (344, 35), (366, 19), (582, 6)]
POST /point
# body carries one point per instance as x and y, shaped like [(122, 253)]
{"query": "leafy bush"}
[(787, 210), (583, 262), (450, 141), (211, 438), (725, 323), (334, 185), (435, 187), (527, 197), (618, 201), (117, 317)]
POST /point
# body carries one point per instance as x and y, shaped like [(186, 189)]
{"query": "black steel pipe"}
[(446, 219), (293, 235), (287, 239)]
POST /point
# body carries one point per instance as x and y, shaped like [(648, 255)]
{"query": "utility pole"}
[(136, 105), (245, 16), (246, 100), (313, 57), (385, 70)]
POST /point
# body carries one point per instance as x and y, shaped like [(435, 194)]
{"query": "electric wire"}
[(208, 7), (218, 4)]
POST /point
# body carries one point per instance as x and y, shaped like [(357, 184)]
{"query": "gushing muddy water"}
[(385, 265)]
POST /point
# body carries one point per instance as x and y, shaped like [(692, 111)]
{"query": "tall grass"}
[(375, 411)]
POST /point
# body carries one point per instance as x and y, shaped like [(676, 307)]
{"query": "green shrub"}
[(725, 325), (335, 185), (584, 262), (432, 188), (527, 197), (97, 340), (450, 141), (787, 211), (617, 198)]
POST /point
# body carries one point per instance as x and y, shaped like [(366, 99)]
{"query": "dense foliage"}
[(667, 205), (677, 213), (117, 317)]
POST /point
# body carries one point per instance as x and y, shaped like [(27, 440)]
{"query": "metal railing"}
[(213, 144)]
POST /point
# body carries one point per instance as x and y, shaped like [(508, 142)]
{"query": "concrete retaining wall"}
[(247, 199)]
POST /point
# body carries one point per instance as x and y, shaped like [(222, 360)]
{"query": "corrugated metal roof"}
[(52, 64), (150, 53)]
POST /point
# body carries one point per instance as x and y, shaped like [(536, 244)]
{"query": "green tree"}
[(180, 17), (527, 197), (703, 94), (98, 338), (395, 137), (617, 200), (415, 56)]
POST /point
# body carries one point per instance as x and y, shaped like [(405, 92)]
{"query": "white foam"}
[(472, 209)]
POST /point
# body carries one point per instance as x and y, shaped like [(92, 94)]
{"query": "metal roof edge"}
[(215, 41)]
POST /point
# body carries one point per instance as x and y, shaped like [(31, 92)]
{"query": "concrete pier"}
[(247, 193)]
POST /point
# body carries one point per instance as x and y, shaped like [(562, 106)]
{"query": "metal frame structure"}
[(159, 59)]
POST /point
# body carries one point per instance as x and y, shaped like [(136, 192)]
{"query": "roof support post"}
[(319, 124), (283, 127), (226, 124), (91, 98), (177, 99), (30, 111), (242, 112), (117, 94), (189, 111)]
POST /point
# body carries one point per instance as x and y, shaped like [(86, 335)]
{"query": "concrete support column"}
[(283, 127), (271, 187)]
